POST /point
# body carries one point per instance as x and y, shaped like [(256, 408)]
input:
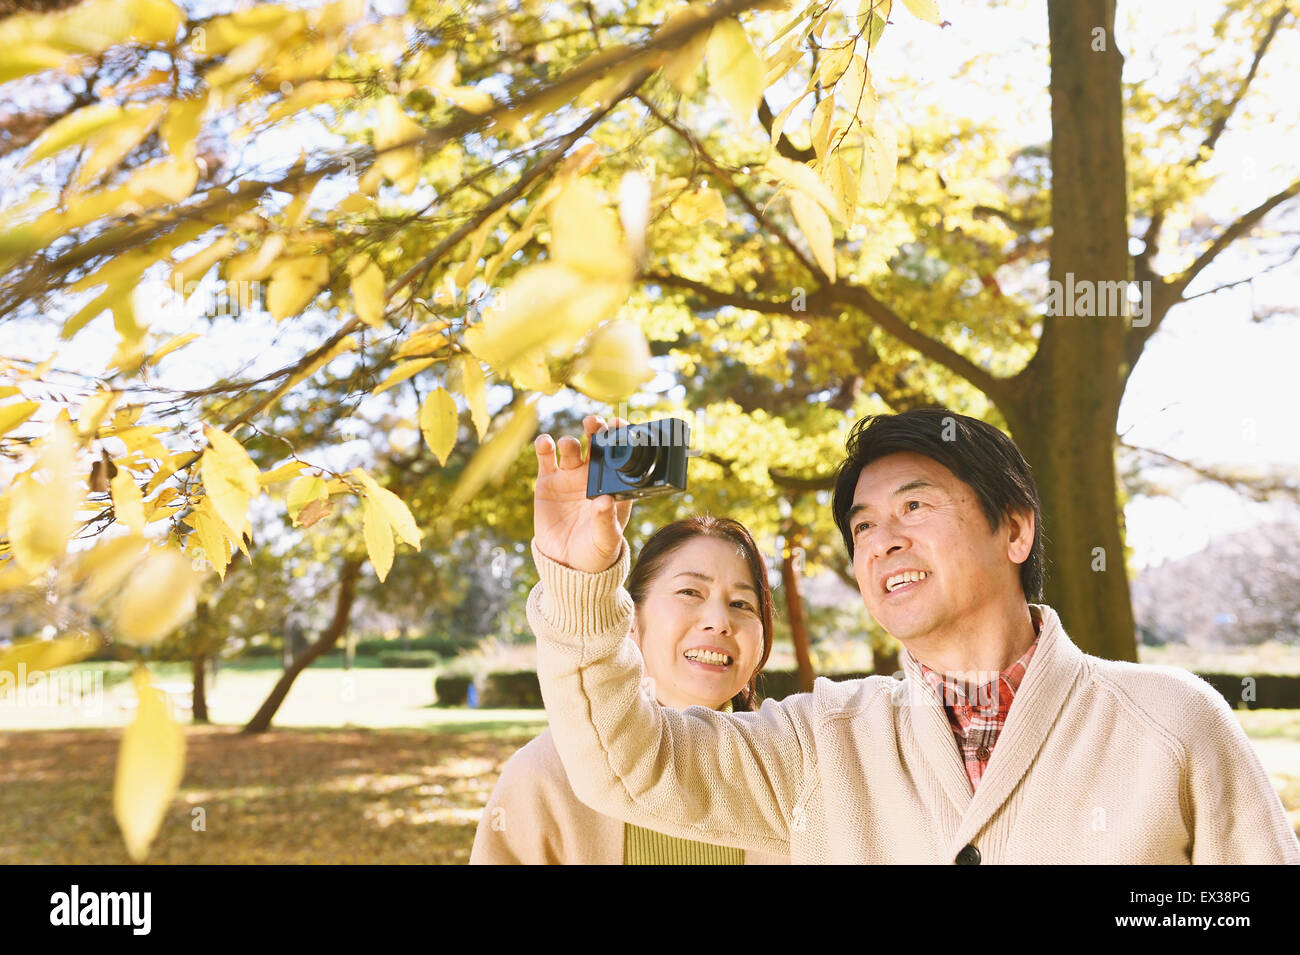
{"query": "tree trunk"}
[(792, 583), (200, 695), (1066, 407), (351, 570)]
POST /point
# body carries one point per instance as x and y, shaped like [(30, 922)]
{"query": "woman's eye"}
[(689, 590), (861, 526), (910, 503), (744, 605)]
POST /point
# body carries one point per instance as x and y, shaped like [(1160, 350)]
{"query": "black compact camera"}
[(639, 460)]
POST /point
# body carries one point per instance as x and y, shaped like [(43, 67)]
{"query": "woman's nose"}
[(716, 619)]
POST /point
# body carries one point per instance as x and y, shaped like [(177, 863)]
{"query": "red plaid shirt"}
[(978, 711)]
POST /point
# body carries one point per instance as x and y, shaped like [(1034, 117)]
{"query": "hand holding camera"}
[(569, 527)]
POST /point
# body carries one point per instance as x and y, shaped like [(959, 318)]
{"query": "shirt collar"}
[(988, 694)]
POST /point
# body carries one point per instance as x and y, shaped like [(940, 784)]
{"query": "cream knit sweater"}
[(1099, 761), (534, 818)]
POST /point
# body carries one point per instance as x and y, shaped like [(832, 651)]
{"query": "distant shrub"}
[(515, 690), (451, 689), (413, 659)]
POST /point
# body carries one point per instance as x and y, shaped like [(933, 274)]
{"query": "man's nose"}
[(887, 537)]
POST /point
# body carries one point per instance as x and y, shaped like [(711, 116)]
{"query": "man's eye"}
[(910, 503), (861, 526)]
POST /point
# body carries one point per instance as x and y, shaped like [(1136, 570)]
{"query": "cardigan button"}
[(968, 856)]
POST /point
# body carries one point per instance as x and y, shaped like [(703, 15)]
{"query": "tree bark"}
[(1064, 411), (200, 695), (792, 583), (348, 575)]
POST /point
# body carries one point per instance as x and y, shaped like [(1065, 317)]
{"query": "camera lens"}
[(643, 464)]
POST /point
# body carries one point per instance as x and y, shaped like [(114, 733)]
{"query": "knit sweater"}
[(1100, 761), (534, 818)]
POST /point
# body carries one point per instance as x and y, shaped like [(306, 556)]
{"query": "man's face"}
[(910, 513)]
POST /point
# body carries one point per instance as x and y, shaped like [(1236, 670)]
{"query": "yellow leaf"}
[(615, 364), (700, 206), (802, 178), (476, 242), (393, 507), (101, 570), (438, 422), (424, 340), (72, 129), (294, 283), (683, 65), (150, 766), (498, 454), (379, 537), (282, 473), (229, 476), (392, 128), (197, 265), (547, 309), (833, 65), (926, 10), (468, 98), (20, 61), (128, 502), (879, 163), (302, 492), (844, 184), (212, 540), (369, 293), (180, 127), (821, 127), (43, 502), (257, 263), (307, 95), (157, 599), (779, 63), (403, 372), (11, 416), (735, 70), (475, 385), (585, 234), (93, 411), (36, 655), (169, 346), (113, 142), (816, 228)]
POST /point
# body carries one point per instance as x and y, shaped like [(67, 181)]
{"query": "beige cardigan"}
[(1099, 761), (533, 817)]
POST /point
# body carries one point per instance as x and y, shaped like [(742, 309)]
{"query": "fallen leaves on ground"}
[(285, 796)]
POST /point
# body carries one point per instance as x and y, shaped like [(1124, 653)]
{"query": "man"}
[(1003, 744)]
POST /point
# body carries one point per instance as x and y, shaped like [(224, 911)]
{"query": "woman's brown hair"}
[(668, 538)]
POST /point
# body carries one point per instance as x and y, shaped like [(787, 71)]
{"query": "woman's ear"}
[(635, 632)]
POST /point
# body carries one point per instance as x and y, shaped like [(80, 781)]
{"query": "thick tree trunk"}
[(792, 584), (200, 695), (1067, 401), (351, 570)]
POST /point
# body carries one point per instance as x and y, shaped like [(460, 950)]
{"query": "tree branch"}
[(999, 390)]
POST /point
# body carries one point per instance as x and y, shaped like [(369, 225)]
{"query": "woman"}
[(703, 623)]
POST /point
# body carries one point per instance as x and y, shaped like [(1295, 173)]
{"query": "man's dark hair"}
[(977, 454)]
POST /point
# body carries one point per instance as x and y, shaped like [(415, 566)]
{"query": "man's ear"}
[(1020, 531)]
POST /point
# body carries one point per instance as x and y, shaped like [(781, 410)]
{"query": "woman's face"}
[(699, 627)]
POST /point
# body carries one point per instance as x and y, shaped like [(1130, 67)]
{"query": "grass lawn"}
[(361, 768)]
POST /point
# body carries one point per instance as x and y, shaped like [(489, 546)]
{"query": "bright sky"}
[(1214, 386)]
